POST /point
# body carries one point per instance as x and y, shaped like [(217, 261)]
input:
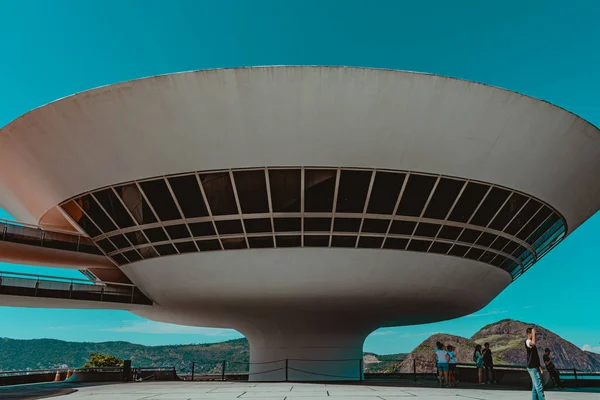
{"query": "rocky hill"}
[(506, 340)]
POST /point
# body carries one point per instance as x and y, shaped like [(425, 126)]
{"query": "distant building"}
[(303, 206)]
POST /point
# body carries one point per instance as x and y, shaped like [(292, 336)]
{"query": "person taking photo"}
[(533, 366)]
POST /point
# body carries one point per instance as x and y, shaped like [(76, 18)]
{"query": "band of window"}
[(336, 206)]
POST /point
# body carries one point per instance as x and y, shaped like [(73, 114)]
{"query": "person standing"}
[(478, 359), (442, 358), (451, 365), (488, 363), (533, 366), (554, 374)]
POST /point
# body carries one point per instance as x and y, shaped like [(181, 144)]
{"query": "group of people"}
[(446, 364), (445, 358)]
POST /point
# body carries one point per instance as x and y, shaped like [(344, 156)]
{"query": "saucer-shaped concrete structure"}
[(303, 206)]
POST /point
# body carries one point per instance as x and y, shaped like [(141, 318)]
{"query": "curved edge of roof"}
[(100, 89)]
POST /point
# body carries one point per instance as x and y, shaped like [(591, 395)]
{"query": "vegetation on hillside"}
[(98, 360)]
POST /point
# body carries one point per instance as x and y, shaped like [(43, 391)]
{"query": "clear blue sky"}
[(547, 49)]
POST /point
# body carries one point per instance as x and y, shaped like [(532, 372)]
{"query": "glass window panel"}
[(375, 225), (490, 206), (469, 235), (537, 220), (499, 243), (287, 224), (160, 199), (135, 203), (111, 203), (251, 188), (285, 189), (319, 187), (427, 230), (262, 242), (234, 243), (395, 243), (510, 266), (486, 239), (219, 193), (317, 224), (346, 224), (352, 192), (499, 260), (86, 245), (202, 229), (546, 227), (523, 217), (156, 234), (258, 225), (95, 212), (166, 249), (450, 232), (419, 245), (510, 247), (368, 242), (415, 195), (119, 259), (120, 241), (458, 250), (81, 219), (288, 241), (384, 194), (440, 247), (188, 194), (443, 198), (208, 245), (487, 257), (508, 211), (402, 227), (316, 241), (136, 238), (148, 252), (177, 231), (186, 247), (468, 202), (132, 255), (343, 241), (106, 245), (229, 227), (474, 254)]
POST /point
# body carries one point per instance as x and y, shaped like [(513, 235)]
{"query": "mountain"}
[(507, 341), (506, 338), (50, 354)]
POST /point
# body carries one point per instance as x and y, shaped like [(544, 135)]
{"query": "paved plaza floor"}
[(272, 391)]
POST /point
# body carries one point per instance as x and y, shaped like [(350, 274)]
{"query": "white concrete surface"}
[(294, 391), (290, 116)]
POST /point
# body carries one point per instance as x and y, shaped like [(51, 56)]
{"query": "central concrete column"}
[(305, 349)]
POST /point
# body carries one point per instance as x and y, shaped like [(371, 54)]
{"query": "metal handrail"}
[(41, 227), (87, 281)]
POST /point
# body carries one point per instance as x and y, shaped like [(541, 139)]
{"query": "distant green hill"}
[(49, 354)]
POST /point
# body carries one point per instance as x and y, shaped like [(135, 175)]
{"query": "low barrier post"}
[(575, 375), (193, 369), (360, 369), (415, 370), (223, 365), (286, 369)]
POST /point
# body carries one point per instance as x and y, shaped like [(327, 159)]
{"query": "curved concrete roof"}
[(280, 116)]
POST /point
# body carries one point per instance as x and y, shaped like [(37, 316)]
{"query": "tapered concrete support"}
[(307, 350)]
